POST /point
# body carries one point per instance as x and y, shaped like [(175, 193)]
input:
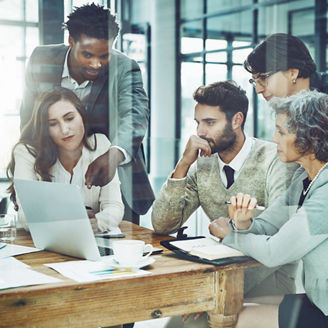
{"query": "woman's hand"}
[(220, 227), (241, 210), (93, 221)]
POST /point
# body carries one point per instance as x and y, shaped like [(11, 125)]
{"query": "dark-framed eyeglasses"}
[(261, 79)]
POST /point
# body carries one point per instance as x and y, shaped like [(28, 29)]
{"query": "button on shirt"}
[(83, 91), (238, 162)]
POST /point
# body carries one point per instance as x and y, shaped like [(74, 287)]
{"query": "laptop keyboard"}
[(104, 251)]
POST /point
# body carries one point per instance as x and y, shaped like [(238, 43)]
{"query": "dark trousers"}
[(297, 311), (129, 214)]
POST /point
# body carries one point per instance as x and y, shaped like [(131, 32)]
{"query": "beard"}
[(223, 142)]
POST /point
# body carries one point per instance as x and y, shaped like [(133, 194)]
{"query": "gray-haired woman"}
[(295, 227)]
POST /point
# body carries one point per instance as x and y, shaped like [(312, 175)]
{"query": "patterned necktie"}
[(229, 174)]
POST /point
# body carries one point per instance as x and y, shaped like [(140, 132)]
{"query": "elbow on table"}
[(162, 229)]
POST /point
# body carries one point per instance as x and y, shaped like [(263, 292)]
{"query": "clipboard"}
[(186, 256)]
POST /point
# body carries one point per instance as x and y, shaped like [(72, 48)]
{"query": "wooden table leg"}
[(229, 299)]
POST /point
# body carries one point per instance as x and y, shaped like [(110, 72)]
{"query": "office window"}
[(18, 35), (191, 37), (191, 78), (190, 9), (221, 37)]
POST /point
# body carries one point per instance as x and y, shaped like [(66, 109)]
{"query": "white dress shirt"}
[(83, 90), (238, 162), (105, 201)]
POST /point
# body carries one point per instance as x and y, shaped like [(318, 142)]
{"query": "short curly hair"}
[(307, 113), (227, 95), (92, 20)]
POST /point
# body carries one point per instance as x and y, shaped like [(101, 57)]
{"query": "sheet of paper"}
[(188, 245), (10, 263), (83, 271), (14, 273), (12, 250)]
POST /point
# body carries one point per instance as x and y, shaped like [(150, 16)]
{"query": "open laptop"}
[(58, 220)]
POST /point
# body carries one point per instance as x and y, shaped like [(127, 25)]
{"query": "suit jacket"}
[(117, 107), (286, 232)]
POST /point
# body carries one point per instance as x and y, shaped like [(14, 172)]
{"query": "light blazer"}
[(285, 233), (117, 107)]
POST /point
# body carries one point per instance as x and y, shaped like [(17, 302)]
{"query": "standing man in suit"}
[(110, 87)]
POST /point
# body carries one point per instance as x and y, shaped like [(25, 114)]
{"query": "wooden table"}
[(175, 287)]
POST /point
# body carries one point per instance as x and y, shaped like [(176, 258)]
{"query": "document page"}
[(14, 273), (13, 250), (206, 248), (84, 270)]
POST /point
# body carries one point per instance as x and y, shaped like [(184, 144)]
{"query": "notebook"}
[(57, 218)]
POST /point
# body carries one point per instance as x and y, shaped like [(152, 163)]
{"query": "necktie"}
[(229, 174)]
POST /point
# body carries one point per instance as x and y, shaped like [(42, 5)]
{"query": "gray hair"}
[(307, 113)]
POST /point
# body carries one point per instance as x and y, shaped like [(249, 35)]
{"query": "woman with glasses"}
[(295, 226), (281, 65)]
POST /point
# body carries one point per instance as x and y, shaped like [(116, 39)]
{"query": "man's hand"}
[(102, 170), (241, 210), (220, 227), (190, 154)]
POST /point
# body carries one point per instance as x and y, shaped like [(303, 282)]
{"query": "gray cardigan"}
[(283, 234), (263, 175)]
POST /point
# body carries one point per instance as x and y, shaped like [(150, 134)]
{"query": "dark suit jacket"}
[(117, 106)]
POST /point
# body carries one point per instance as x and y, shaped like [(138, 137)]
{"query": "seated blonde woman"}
[(295, 227), (54, 146)]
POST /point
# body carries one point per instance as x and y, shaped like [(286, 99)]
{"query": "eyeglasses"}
[(261, 79)]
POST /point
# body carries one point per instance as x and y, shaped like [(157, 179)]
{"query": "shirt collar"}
[(241, 157), (66, 74), (65, 68)]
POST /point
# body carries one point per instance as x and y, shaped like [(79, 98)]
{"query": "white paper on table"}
[(84, 270), (14, 273), (10, 263), (13, 250)]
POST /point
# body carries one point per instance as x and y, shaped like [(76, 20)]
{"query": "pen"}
[(2, 245), (258, 207)]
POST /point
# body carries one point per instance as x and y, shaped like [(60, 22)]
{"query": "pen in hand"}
[(258, 207)]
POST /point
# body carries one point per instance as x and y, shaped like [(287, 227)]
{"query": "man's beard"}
[(224, 142)]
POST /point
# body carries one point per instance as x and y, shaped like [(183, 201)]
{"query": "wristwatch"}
[(234, 227), (232, 224)]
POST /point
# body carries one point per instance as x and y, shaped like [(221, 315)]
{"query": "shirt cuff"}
[(127, 157)]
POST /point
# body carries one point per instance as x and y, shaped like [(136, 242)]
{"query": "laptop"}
[(58, 220)]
